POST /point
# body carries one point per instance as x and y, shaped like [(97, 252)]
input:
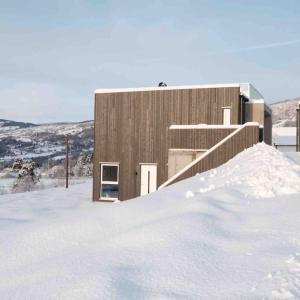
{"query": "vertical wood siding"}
[(255, 112), (197, 138), (243, 139), (133, 128)]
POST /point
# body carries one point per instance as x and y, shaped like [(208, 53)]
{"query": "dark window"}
[(110, 191), (110, 173)]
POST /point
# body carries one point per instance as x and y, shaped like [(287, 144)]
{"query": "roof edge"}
[(182, 87)]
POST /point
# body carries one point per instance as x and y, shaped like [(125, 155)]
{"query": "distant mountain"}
[(284, 113), (13, 124), (43, 141)]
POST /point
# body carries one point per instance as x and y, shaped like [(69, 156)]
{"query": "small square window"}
[(110, 173)]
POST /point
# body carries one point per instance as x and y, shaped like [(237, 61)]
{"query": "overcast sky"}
[(54, 54)]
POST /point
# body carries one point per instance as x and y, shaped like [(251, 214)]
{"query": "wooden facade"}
[(133, 127), (197, 138), (238, 140), (259, 112)]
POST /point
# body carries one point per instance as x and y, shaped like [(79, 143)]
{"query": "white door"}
[(226, 116), (148, 178)]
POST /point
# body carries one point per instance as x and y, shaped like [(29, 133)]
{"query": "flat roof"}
[(158, 88), (246, 89)]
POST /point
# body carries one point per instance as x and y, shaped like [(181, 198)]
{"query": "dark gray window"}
[(110, 173)]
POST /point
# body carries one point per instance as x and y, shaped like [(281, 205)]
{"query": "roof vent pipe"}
[(162, 84)]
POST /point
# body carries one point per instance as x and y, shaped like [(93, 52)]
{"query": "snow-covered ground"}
[(45, 183), (294, 156), (230, 233)]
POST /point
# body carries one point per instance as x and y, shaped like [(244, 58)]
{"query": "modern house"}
[(147, 138)]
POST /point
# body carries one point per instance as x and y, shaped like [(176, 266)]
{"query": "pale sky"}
[(54, 54)]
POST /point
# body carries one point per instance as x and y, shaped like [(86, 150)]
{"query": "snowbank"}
[(6, 184), (217, 244), (260, 172)]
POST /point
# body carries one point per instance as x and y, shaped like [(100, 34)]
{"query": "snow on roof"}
[(247, 89), (182, 87)]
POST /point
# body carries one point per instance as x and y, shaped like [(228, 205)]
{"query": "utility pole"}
[(67, 161), (298, 128)]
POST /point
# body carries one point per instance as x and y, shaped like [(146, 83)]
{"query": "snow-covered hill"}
[(8, 125), (25, 140), (284, 113), (230, 233)]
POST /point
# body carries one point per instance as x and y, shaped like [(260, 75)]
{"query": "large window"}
[(109, 188)]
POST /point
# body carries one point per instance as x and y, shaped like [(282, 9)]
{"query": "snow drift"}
[(260, 172), (229, 239)]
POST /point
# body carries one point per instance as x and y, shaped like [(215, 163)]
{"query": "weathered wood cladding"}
[(258, 112), (197, 138), (255, 112), (243, 139), (133, 127)]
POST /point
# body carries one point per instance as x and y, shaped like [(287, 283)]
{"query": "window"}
[(109, 188)]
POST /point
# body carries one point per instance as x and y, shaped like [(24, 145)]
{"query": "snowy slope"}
[(284, 112), (25, 140), (6, 125), (230, 233)]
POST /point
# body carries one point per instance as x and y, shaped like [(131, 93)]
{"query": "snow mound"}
[(58, 244), (260, 172)]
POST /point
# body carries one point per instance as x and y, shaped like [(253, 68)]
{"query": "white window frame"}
[(109, 164)]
